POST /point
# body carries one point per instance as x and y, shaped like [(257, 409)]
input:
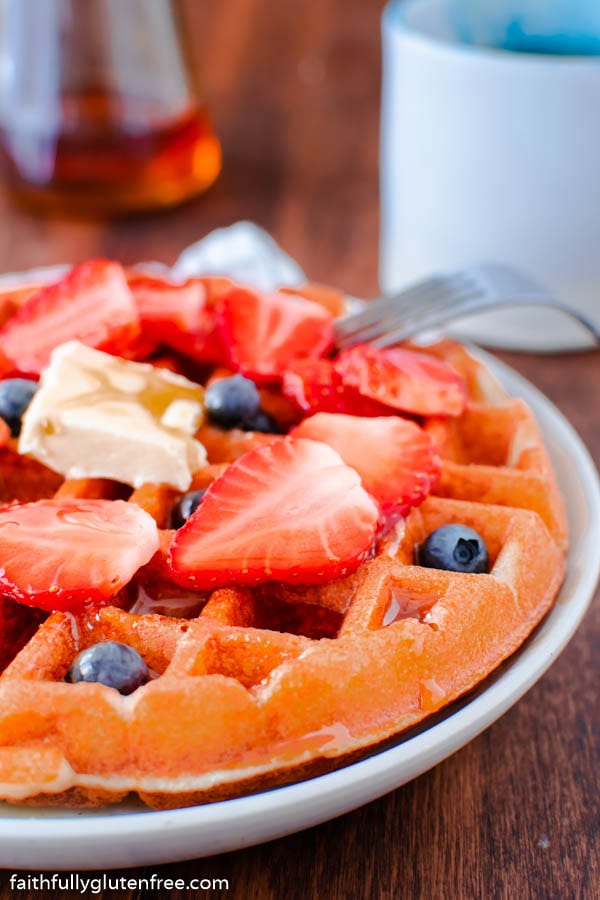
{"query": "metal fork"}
[(442, 298)]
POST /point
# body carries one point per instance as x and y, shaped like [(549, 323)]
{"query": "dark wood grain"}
[(294, 88)]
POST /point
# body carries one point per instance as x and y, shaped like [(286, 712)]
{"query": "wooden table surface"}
[(294, 88)]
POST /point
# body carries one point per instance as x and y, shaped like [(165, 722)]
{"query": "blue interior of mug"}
[(550, 27)]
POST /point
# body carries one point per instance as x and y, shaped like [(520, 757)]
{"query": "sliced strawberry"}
[(314, 385), (396, 460), (290, 511), (217, 287), (163, 304), (181, 316), (264, 333), (92, 304), (207, 346), (329, 297), (404, 379), (169, 313), (14, 298), (67, 554)]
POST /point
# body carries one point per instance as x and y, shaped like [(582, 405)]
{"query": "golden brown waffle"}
[(255, 688), (494, 452)]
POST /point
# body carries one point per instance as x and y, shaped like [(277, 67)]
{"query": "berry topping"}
[(92, 304), (115, 665), (455, 548), (314, 386), (166, 309), (229, 402), (15, 397), (176, 315), (403, 379), (264, 333), (184, 507), (288, 511), (330, 298), (67, 554), (396, 460)]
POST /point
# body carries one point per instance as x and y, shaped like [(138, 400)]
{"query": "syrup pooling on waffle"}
[(268, 676)]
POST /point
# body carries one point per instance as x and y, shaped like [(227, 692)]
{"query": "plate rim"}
[(44, 832)]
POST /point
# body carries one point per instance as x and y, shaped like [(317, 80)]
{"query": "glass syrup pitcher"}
[(99, 109)]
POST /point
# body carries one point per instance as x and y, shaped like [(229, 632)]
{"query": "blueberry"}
[(15, 397), (184, 507), (261, 421), (115, 665), (230, 401), (455, 548)]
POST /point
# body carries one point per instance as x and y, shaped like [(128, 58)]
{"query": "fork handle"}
[(481, 305)]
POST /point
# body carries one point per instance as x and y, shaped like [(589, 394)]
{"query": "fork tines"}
[(438, 300)]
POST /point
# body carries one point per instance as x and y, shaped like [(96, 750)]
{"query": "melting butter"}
[(99, 416)]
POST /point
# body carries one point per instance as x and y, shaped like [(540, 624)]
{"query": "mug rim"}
[(394, 19)]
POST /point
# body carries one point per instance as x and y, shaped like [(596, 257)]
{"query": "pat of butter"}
[(98, 416)]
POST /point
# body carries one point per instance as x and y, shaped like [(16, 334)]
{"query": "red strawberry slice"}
[(217, 287), (91, 304), (289, 511), (167, 310), (207, 346), (329, 297), (396, 460), (176, 315), (14, 298), (69, 554), (264, 333), (403, 379), (314, 385)]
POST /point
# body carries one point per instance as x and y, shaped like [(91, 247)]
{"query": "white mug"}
[(489, 155)]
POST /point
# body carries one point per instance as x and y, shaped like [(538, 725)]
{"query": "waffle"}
[(257, 687)]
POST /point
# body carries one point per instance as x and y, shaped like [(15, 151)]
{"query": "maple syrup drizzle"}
[(167, 602), (155, 395), (96, 160), (405, 604)]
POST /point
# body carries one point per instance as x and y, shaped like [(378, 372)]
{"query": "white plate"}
[(55, 840)]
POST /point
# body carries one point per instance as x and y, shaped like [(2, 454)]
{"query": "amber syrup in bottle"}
[(104, 155)]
